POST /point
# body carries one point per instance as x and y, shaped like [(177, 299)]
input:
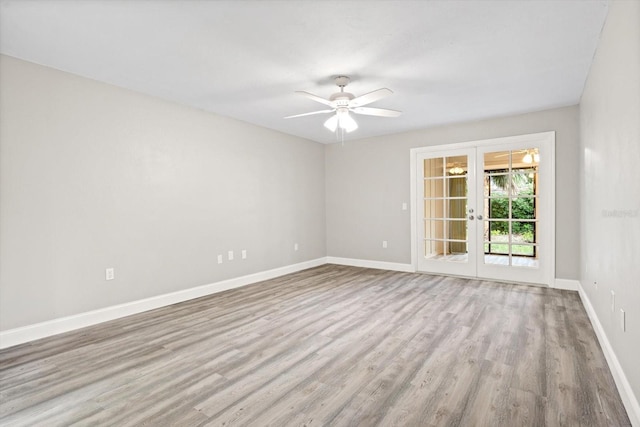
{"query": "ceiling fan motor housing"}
[(341, 99)]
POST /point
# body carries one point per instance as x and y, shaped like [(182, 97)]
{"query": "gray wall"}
[(94, 176), (610, 185), (368, 180)]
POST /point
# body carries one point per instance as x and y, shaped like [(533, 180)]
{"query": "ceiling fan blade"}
[(310, 114), (380, 112), (315, 98), (370, 97)]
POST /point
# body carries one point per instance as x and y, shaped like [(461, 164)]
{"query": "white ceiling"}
[(446, 61)]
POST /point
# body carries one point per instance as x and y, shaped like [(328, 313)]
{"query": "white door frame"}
[(543, 139)]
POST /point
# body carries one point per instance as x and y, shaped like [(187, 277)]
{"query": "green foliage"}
[(528, 234), (521, 208)]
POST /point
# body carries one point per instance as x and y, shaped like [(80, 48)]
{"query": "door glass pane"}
[(456, 165), (528, 157), (433, 167), (523, 232), (496, 259), (433, 249), (496, 248), (433, 209), (496, 230), (460, 183), (497, 208), (523, 208), (458, 236), (496, 237), (434, 229), (525, 261), (522, 183), (496, 184), (457, 251), (523, 250), (457, 208), (497, 160), (434, 187)]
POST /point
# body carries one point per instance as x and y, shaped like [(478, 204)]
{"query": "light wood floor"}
[(332, 345)]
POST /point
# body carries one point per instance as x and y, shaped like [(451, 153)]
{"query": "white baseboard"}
[(28, 333), (624, 388), (380, 265), (567, 284)]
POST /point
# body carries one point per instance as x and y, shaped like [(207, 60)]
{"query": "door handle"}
[(479, 217), (470, 216)]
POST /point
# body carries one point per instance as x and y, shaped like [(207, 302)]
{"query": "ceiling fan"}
[(342, 103)]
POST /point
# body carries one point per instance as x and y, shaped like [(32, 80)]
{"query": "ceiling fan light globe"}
[(346, 122), (331, 123)]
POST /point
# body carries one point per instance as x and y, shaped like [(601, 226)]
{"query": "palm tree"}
[(517, 181)]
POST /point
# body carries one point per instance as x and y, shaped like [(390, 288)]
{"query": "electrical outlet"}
[(295, 246), (622, 323), (244, 254), (219, 259), (110, 273), (613, 301), (404, 206), (384, 244), (230, 255)]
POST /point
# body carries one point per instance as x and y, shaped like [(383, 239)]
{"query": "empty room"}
[(319, 213)]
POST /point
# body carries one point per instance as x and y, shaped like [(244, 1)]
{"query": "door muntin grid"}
[(446, 233), (510, 208)]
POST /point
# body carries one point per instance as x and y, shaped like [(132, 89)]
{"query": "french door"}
[(485, 209), (446, 206)]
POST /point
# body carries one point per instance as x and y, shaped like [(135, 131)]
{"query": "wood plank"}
[(332, 345)]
